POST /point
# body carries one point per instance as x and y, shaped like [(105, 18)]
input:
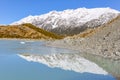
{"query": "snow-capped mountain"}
[(71, 21), (72, 62)]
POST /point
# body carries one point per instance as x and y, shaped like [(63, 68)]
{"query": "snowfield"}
[(71, 21)]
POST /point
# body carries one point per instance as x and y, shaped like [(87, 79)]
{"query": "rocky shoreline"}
[(104, 41)]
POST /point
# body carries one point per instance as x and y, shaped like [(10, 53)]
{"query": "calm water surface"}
[(31, 60)]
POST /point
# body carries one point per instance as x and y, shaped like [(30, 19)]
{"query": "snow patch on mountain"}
[(69, 19)]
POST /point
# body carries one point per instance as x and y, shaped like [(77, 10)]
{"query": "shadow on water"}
[(111, 66), (48, 63), (16, 68), (87, 70)]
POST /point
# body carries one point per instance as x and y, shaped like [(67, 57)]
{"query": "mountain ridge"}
[(70, 22)]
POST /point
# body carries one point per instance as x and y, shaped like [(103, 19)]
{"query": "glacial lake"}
[(32, 60)]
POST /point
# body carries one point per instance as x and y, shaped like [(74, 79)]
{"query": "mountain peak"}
[(81, 18)]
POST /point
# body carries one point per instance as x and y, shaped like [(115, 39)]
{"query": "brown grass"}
[(26, 31)]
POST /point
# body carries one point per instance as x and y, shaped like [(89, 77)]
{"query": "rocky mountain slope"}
[(27, 31), (70, 22), (104, 40)]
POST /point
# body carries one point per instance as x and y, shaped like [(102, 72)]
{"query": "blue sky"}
[(13, 10)]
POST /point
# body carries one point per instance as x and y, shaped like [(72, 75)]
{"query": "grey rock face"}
[(105, 41)]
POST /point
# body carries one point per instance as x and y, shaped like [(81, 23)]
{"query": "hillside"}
[(71, 21), (103, 41), (27, 31)]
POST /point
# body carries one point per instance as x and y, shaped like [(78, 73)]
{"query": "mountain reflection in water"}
[(68, 65), (111, 66), (64, 61)]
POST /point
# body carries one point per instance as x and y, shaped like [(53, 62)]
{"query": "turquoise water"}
[(14, 67)]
